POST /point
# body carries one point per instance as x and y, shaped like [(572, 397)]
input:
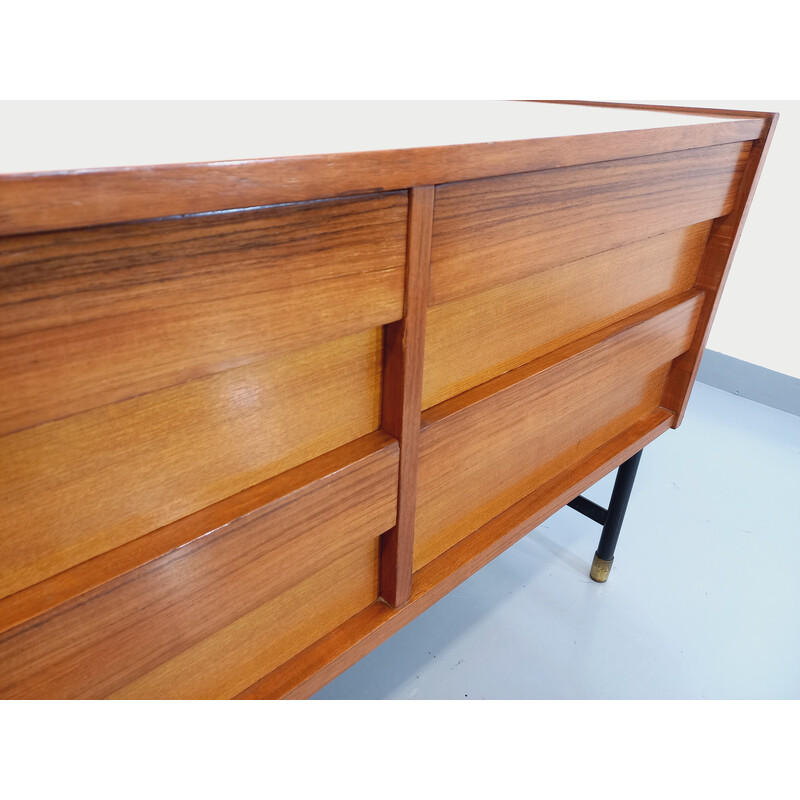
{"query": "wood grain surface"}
[(717, 260), (404, 346), (248, 432), (91, 317), (108, 637), (46, 202), (475, 338), (321, 662), (120, 471), (496, 231), (228, 661), (486, 449)]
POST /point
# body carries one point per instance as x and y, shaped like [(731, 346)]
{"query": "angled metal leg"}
[(611, 518)]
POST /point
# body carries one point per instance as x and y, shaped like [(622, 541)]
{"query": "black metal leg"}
[(611, 519)]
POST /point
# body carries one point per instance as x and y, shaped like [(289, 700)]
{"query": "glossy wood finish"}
[(308, 671), (486, 449), (117, 472), (321, 662), (117, 134), (240, 555), (717, 261), (402, 394), (475, 338), (722, 242), (228, 661), (82, 312), (495, 231), (229, 439), (31, 202)]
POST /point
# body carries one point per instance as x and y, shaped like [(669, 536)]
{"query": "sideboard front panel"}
[(96, 316), (482, 451), (474, 338), (230, 660), (498, 230), (154, 368), (261, 569), (74, 488)]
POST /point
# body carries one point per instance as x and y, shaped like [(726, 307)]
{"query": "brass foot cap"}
[(600, 569)]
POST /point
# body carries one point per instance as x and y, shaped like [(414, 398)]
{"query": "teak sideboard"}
[(261, 409)]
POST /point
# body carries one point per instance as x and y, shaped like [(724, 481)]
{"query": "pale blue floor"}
[(703, 600)]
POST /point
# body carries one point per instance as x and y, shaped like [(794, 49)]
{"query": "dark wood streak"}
[(83, 311), (558, 216)]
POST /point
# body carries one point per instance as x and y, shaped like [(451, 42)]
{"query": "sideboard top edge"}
[(35, 202)]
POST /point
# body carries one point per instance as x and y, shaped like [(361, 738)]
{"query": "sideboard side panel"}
[(713, 273)]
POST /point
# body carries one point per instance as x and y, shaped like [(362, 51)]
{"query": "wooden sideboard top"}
[(67, 165), (108, 134)]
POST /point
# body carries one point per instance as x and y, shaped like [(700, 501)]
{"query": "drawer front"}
[(484, 450), (498, 230), (100, 315), (474, 338), (80, 486), (236, 656), (263, 575)]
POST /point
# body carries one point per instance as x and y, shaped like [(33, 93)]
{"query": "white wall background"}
[(758, 316)]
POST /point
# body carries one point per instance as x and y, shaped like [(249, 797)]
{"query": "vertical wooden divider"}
[(403, 352), (717, 259)]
